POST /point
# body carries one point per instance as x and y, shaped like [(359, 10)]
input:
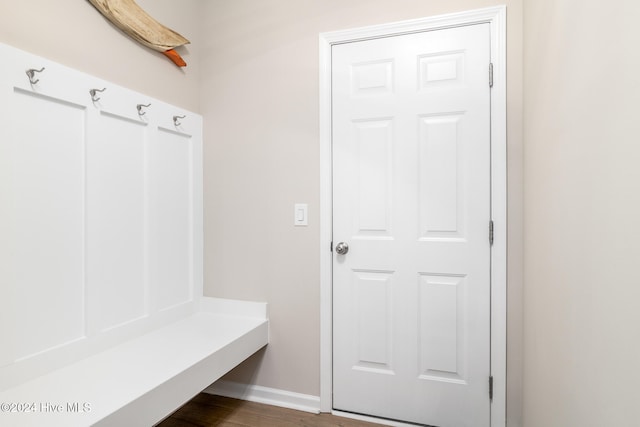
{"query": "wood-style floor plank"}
[(206, 410)]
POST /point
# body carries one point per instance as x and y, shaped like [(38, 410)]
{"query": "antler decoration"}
[(135, 22)]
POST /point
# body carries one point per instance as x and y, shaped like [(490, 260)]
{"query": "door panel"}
[(439, 193), (411, 173), (374, 321), (374, 179), (441, 348)]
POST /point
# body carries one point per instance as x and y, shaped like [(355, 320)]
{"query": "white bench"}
[(102, 314), (143, 380)]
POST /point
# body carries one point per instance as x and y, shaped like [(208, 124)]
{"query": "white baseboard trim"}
[(267, 395), (373, 420)]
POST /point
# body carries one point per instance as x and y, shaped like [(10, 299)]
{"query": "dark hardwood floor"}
[(206, 410)]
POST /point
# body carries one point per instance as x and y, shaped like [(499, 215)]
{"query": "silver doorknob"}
[(342, 248)]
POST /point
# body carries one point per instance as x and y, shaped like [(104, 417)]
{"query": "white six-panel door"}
[(411, 189)]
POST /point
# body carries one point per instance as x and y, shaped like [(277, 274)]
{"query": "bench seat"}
[(143, 380)]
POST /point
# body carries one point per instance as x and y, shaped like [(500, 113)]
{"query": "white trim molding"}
[(372, 420), (266, 395), (496, 17)]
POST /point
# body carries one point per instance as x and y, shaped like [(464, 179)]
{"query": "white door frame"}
[(496, 17)]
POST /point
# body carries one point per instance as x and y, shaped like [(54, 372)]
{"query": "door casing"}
[(496, 17)]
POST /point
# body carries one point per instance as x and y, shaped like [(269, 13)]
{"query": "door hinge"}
[(491, 232), (490, 75), (491, 387)]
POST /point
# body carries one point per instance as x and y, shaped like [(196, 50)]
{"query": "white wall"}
[(582, 209), (74, 33), (260, 105)]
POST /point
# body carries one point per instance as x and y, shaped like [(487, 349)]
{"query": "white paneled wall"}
[(100, 215)]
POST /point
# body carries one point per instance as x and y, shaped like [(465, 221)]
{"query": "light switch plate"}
[(300, 214)]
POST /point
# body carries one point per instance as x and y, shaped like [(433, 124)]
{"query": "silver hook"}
[(31, 73), (92, 92), (176, 119), (140, 107)]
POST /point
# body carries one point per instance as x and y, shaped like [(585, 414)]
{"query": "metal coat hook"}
[(31, 73), (140, 107), (176, 121), (93, 92)]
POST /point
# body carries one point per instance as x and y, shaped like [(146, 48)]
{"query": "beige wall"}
[(260, 103), (73, 33), (582, 210)]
